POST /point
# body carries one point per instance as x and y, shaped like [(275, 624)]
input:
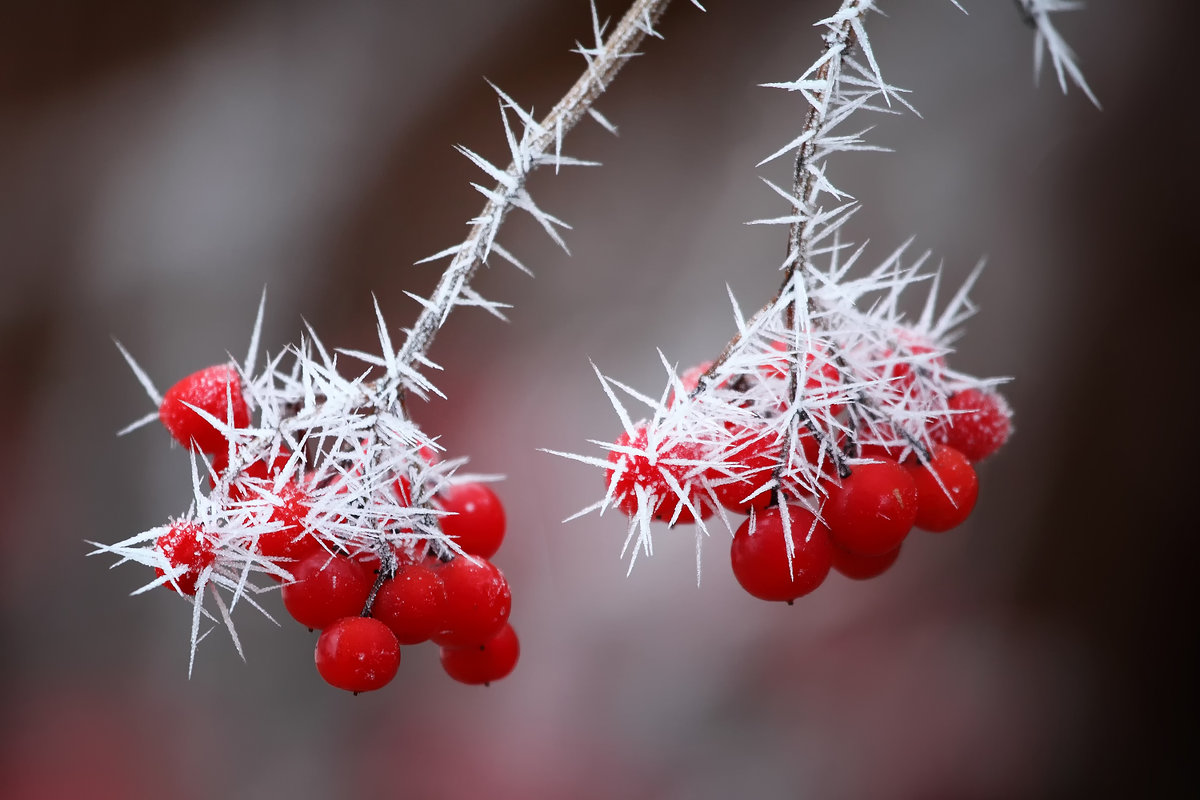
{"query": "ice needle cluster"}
[(830, 373)]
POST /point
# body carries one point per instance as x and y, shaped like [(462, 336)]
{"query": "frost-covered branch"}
[(540, 143), (828, 377)]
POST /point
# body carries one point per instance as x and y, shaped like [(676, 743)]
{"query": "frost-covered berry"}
[(873, 509), (636, 469), (189, 550), (206, 390), (292, 542), (482, 664), (760, 560), (981, 425), (358, 654), (752, 457), (632, 470)]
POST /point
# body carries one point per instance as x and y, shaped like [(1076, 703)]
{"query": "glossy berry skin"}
[(326, 588), (873, 510), (205, 389), (862, 568), (760, 561), (477, 603), (482, 664), (358, 654), (476, 522), (940, 510), (186, 547), (410, 603), (980, 427)]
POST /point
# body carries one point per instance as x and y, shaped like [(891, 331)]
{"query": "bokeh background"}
[(161, 162)]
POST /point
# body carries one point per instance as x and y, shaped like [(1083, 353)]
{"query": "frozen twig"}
[(540, 143)]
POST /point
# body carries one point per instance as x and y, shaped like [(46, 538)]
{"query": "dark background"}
[(161, 162)]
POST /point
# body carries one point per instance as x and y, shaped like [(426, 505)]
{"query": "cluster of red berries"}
[(369, 602), (852, 517)]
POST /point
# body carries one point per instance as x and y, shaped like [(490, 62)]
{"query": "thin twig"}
[(602, 67)]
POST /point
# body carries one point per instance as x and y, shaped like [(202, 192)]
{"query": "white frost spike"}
[(140, 374), (1037, 15)]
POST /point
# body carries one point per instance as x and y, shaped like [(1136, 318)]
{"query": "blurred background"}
[(162, 162)]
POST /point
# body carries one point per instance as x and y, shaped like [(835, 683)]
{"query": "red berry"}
[(941, 509), (205, 389), (326, 589), (358, 654), (410, 603), (697, 495), (752, 457), (477, 604), (292, 541), (484, 663), (760, 561), (873, 510), (189, 550), (477, 522), (981, 426), (635, 471), (859, 567)]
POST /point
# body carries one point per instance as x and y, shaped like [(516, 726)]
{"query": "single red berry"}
[(410, 603), (634, 471), (326, 588), (358, 654), (873, 510), (189, 550), (760, 560), (646, 472), (205, 389), (752, 456), (981, 425), (477, 603), (293, 542), (699, 498), (484, 663), (683, 473), (476, 523), (860, 567), (940, 509)]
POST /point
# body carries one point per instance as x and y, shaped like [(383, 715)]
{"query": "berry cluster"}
[(376, 541), (834, 437)]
